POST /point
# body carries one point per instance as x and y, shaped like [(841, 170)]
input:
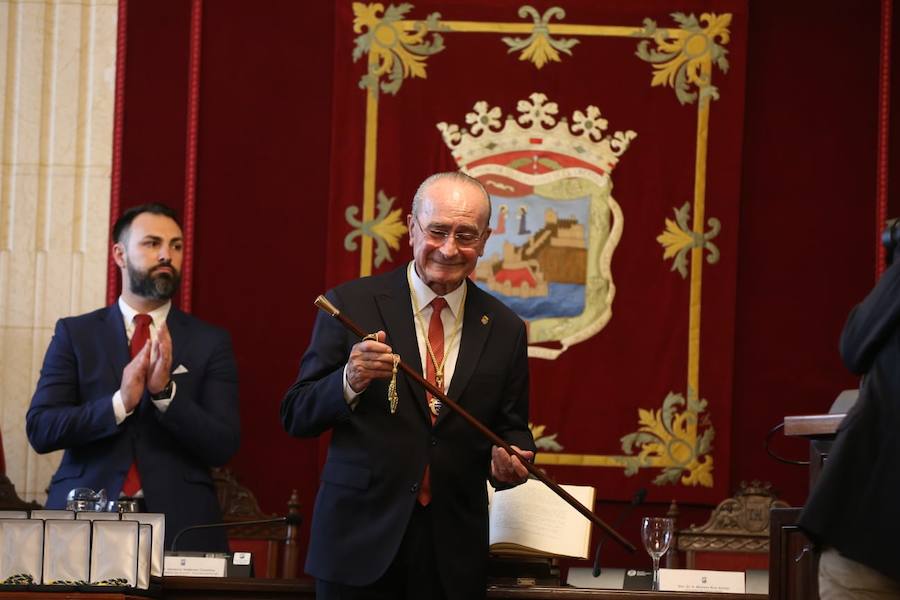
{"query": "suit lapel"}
[(176, 321), (115, 340), (475, 330), (395, 308)]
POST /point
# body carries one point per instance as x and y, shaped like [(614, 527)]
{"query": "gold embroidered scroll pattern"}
[(393, 50), (685, 56), (539, 47), (386, 229), (678, 238), (666, 439)]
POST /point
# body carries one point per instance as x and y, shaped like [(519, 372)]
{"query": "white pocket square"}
[(179, 370)]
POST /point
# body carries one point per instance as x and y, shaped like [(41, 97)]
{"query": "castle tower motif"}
[(557, 224)]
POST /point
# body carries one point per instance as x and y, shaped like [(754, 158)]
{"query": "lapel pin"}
[(484, 319)]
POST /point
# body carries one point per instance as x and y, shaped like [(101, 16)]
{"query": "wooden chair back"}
[(275, 547), (736, 536)]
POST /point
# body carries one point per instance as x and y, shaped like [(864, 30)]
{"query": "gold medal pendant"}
[(435, 405), (393, 398)]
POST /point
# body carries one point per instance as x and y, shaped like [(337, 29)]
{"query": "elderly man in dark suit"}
[(142, 397), (402, 508)]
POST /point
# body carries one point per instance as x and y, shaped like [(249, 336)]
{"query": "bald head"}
[(455, 176)]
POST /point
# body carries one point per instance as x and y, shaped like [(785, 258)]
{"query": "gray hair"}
[(456, 176)]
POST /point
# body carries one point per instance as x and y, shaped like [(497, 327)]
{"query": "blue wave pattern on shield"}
[(536, 258)]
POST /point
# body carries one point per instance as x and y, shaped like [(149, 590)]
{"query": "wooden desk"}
[(812, 425), (563, 593), (820, 431), (793, 564), (213, 588), (198, 588), (67, 596)]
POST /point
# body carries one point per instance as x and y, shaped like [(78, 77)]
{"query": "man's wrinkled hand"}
[(134, 378), (160, 367), (369, 359), (506, 468)]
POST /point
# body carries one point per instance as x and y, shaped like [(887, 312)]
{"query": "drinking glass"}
[(656, 532), (86, 499)]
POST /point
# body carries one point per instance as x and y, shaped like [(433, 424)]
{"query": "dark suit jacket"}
[(376, 459), (72, 410), (854, 506)]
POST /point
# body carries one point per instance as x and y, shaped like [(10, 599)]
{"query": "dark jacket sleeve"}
[(315, 402), (871, 322), (59, 417), (512, 423)]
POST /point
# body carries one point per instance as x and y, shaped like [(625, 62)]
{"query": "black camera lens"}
[(890, 237)]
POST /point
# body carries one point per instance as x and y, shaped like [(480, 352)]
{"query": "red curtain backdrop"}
[(271, 73)]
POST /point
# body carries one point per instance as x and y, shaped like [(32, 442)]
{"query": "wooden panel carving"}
[(739, 524)]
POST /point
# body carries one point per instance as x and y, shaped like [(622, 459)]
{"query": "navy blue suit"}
[(376, 459), (72, 410)]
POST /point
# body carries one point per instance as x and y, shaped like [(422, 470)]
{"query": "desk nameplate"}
[(195, 566), (696, 580)]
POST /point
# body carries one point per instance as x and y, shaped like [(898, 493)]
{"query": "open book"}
[(531, 520)]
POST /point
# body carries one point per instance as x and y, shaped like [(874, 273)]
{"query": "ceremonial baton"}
[(323, 303)]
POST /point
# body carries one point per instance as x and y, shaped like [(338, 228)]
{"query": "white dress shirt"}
[(158, 316)]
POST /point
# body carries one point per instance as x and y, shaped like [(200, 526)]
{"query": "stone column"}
[(57, 75)]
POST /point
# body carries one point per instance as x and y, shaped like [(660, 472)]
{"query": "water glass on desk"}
[(656, 533)]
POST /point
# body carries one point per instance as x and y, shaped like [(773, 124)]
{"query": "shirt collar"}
[(158, 315), (424, 294)]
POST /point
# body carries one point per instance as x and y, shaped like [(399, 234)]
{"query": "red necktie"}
[(140, 336), (436, 341)]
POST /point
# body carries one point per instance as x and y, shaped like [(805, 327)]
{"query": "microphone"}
[(636, 500), (288, 520)]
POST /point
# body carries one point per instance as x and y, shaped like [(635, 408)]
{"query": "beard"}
[(153, 283)]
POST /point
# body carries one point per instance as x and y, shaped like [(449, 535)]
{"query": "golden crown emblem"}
[(535, 140)]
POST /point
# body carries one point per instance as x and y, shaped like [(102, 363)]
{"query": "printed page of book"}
[(531, 519)]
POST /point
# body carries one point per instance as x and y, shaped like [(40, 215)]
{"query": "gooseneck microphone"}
[(289, 520), (636, 500)]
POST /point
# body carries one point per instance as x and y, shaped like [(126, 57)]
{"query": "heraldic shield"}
[(554, 221)]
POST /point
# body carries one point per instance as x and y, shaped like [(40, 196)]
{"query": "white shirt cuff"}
[(119, 408), (350, 397)]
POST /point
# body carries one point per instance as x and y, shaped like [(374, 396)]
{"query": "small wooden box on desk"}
[(793, 564)]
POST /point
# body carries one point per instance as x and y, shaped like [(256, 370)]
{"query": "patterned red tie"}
[(436, 341), (140, 336)]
